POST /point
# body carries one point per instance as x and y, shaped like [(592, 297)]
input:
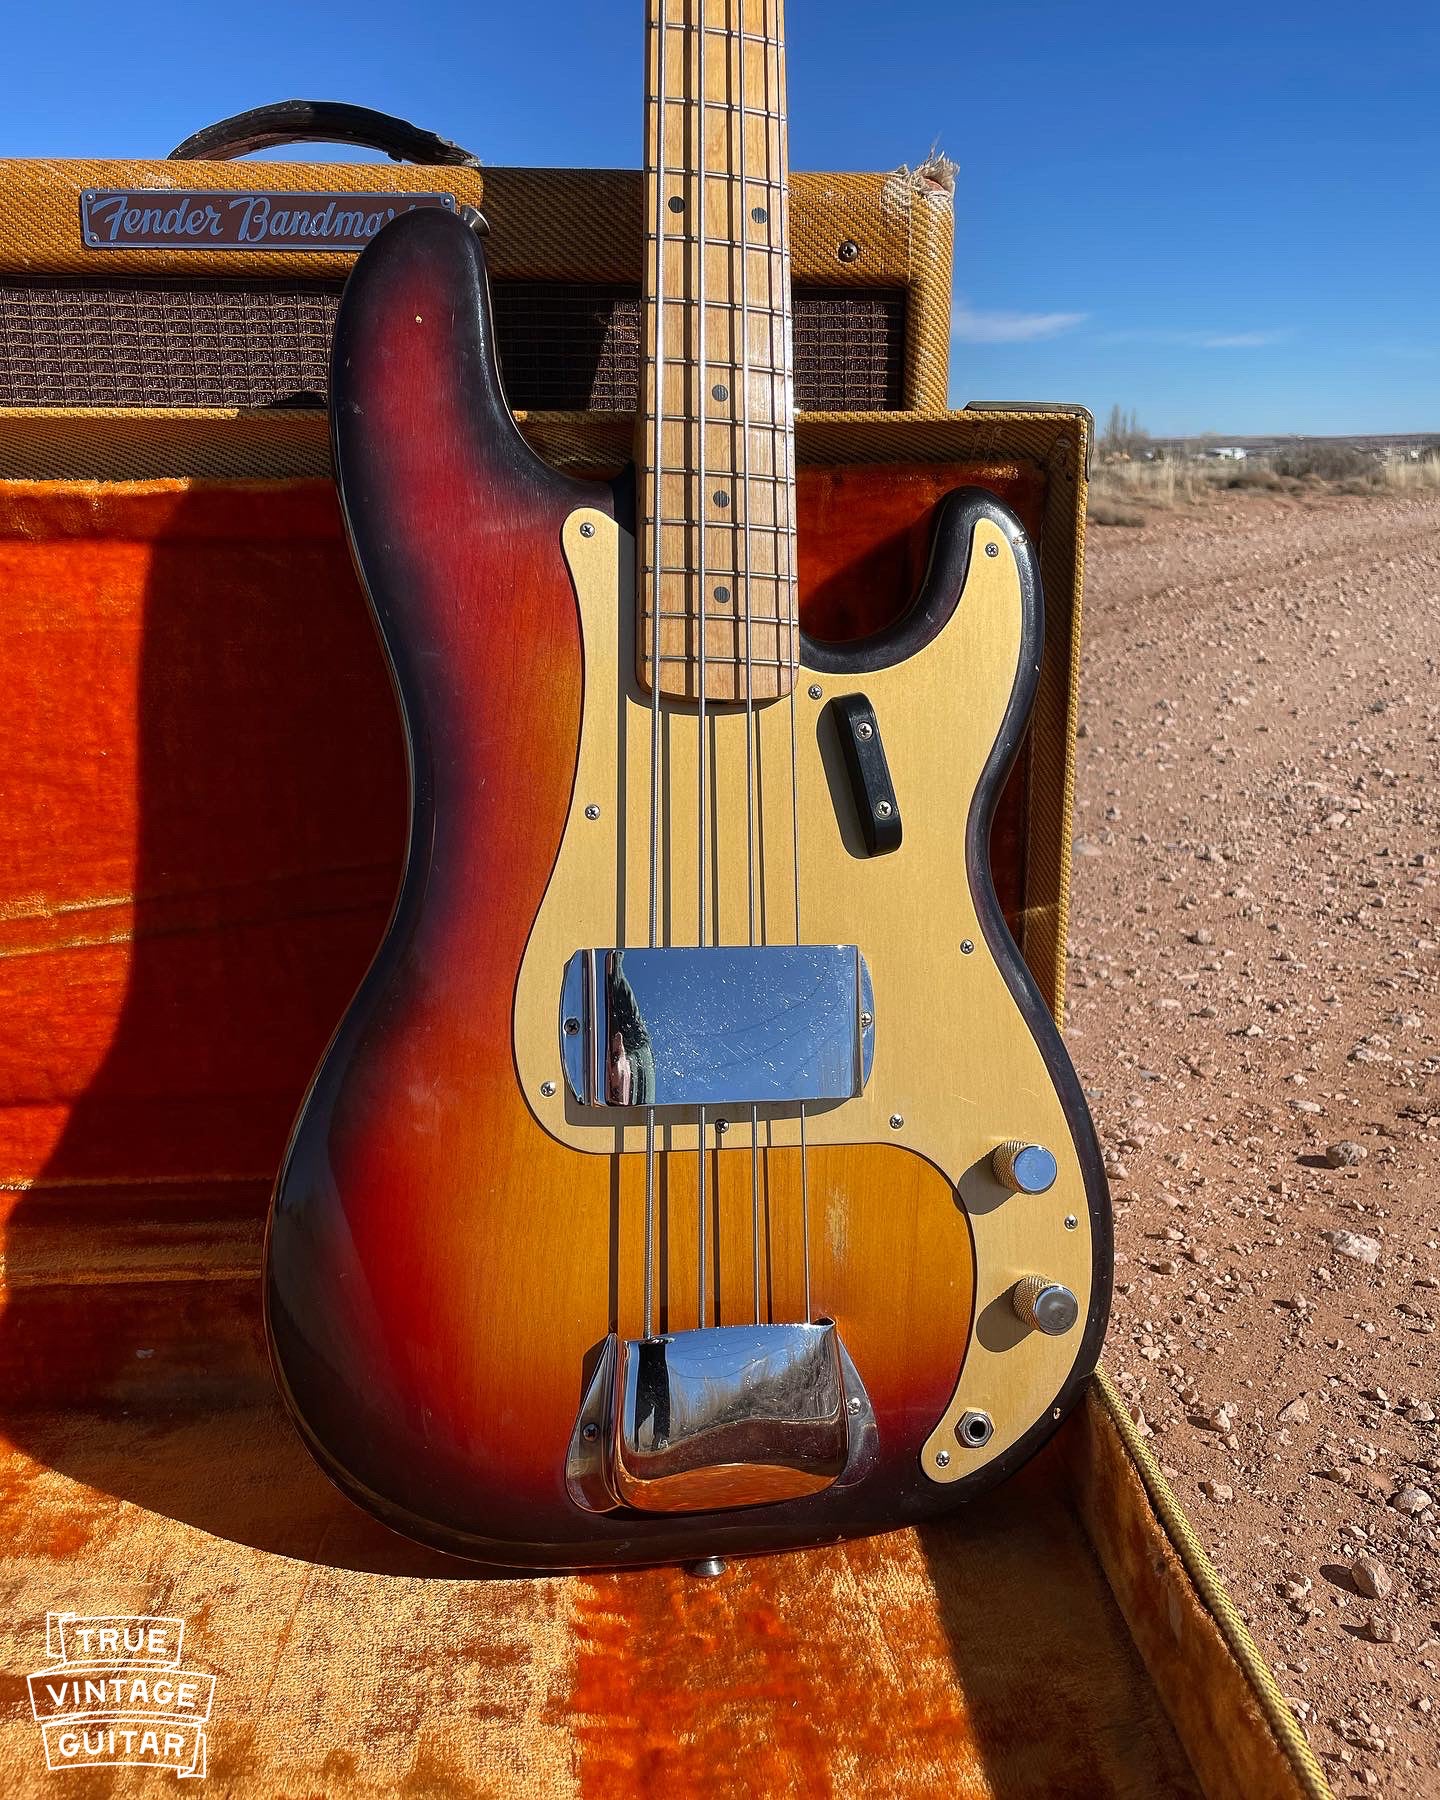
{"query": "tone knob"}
[(1044, 1305), (1024, 1168)]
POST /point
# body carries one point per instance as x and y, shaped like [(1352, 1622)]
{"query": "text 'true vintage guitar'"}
[(697, 1168)]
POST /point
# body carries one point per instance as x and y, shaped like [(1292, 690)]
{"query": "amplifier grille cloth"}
[(563, 346)]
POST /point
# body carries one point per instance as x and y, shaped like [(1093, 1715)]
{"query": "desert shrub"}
[(1328, 462), (1253, 477), (1412, 477), (1100, 510)]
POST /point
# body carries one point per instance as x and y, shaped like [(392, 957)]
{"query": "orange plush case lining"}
[(203, 820)]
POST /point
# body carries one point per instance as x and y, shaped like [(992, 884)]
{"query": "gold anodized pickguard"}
[(956, 1071)]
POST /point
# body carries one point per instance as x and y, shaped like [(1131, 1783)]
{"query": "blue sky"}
[(1224, 217)]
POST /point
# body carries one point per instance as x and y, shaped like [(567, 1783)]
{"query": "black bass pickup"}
[(875, 802)]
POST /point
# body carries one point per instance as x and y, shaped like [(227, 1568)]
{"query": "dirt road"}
[(1253, 1009)]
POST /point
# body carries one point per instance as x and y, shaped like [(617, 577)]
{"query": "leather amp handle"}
[(320, 122)]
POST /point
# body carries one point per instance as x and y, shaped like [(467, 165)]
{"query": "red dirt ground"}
[(1253, 981)]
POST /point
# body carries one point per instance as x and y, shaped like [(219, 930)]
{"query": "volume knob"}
[(1044, 1305), (1024, 1168)]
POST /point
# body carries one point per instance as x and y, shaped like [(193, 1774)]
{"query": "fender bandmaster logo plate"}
[(204, 219)]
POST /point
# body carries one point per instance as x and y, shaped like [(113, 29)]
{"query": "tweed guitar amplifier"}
[(204, 818), (225, 297)]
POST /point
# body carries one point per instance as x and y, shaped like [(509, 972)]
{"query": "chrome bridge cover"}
[(720, 1417), (721, 1026)]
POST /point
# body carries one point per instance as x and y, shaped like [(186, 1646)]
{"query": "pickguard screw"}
[(896, 1121), (967, 946), (883, 809), (942, 1459), (1055, 1412), (849, 250), (814, 690), (572, 1028), (587, 529), (590, 1433), (992, 549), (1071, 1221), (866, 1021), (547, 1088), (592, 811), (854, 1403), (865, 731)]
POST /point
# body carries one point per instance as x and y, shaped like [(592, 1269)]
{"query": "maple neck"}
[(716, 600)]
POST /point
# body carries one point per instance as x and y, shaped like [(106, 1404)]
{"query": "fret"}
[(726, 31), (714, 573), (742, 368), (713, 474), (722, 422), (761, 662), (775, 622), (689, 522), (733, 108), (712, 242), (752, 309)]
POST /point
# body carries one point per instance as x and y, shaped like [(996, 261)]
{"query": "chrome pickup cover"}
[(717, 1027)]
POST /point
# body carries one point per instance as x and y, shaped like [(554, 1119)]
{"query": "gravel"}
[(1258, 766)]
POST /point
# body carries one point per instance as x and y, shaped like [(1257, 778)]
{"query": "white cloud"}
[(969, 326), (1241, 340), (1198, 340)]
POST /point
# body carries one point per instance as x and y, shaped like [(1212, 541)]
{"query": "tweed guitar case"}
[(204, 799)]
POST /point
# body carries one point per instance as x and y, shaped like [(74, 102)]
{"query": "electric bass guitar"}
[(697, 1169)]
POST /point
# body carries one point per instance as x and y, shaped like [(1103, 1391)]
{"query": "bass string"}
[(702, 332), (655, 505), (743, 234), (787, 436)]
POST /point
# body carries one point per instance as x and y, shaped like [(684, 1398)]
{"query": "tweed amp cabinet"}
[(203, 823)]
